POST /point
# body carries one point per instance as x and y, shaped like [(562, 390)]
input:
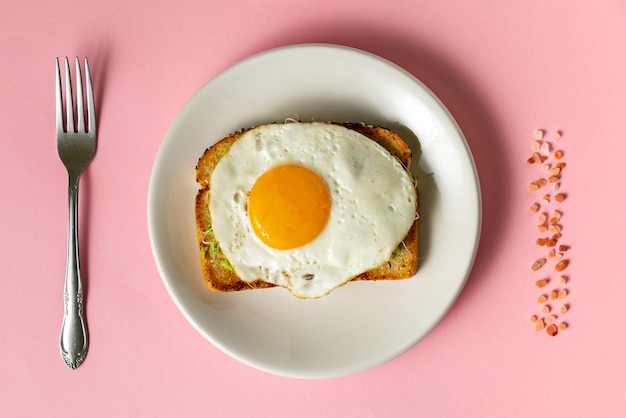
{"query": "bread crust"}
[(217, 273)]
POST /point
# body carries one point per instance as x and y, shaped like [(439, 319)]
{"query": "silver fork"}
[(76, 149)]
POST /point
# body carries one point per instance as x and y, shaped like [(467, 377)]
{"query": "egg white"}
[(372, 205)]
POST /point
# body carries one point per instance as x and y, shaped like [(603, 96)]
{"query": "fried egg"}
[(309, 206)]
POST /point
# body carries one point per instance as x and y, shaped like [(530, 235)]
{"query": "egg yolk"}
[(289, 205)]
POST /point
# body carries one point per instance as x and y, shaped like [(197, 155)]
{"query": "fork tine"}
[(91, 106), (69, 106), (80, 119), (59, 100)]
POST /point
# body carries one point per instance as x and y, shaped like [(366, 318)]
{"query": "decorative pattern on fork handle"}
[(74, 353)]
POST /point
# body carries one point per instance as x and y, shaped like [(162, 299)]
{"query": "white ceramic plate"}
[(362, 324)]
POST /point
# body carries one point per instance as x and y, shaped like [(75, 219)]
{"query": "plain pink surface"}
[(503, 68)]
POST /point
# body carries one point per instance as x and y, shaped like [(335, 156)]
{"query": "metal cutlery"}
[(76, 147)]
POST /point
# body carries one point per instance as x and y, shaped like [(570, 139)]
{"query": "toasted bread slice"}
[(217, 271)]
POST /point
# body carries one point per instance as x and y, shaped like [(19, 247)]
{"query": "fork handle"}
[(73, 341)]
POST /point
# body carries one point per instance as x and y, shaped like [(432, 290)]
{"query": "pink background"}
[(503, 68)]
